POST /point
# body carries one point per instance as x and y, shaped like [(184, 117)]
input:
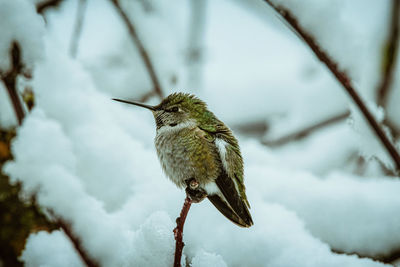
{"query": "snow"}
[(349, 46), (92, 160), (347, 205), (20, 22), (50, 249), (206, 259)]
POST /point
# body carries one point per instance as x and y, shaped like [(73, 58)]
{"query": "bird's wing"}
[(229, 152), (231, 199)]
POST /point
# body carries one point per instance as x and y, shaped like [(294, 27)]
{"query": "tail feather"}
[(236, 203), (224, 208)]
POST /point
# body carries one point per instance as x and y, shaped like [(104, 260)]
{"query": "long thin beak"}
[(136, 104)]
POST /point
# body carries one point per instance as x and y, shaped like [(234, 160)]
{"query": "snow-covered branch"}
[(9, 79), (340, 75)]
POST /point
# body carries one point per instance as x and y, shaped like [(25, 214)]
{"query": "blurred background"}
[(317, 176)]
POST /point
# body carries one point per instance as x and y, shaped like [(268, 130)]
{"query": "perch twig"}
[(178, 231)]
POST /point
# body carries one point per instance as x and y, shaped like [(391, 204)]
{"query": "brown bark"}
[(178, 231)]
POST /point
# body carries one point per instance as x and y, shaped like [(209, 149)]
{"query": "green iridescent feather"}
[(214, 128)]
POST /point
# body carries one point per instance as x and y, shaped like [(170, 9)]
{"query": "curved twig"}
[(341, 76), (142, 51), (307, 130), (42, 6)]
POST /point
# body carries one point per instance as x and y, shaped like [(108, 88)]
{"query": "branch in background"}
[(341, 76), (389, 259), (389, 55), (147, 5), (9, 80), (146, 96), (307, 130), (389, 65), (80, 16), (195, 42), (41, 7), (178, 231), (77, 243), (256, 129), (142, 51)]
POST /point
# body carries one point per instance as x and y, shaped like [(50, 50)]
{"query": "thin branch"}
[(256, 129), (9, 80), (195, 41), (390, 55), (178, 231), (390, 258), (341, 76), (307, 130), (147, 5), (80, 17), (41, 7), (142, 51), (77, 244), (146, 96)]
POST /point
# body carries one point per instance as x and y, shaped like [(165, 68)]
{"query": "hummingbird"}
[(199, 153)]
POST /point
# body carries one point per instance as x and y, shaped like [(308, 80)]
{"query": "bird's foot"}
[(194, 192), (193, 184)]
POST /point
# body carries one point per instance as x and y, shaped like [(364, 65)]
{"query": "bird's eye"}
[(174, 109)]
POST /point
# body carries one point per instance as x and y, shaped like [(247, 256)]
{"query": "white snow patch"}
[(50, 249), (20, 22), (206, 259)]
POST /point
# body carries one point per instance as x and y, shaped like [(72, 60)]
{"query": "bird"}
[(200, 154)]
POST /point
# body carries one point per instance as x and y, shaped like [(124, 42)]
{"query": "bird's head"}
[(176, 109)]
